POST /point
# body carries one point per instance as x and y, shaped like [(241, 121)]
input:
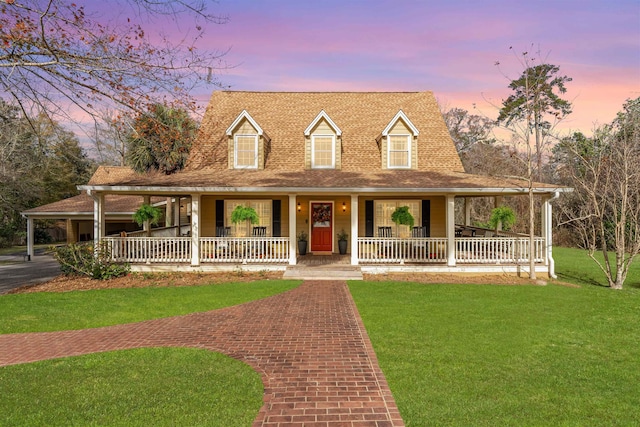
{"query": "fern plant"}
[(402, 216), (502, 215), (149, 213), (244, 213)]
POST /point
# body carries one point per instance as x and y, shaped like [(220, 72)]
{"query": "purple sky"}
[(448, 47)]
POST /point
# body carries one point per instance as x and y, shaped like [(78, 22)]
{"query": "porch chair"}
[(419, 247), (260, 247), (386, 248), (222, 247)]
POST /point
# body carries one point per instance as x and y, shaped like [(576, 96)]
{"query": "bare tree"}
[(467, 129), (54, 54), (605, 206)]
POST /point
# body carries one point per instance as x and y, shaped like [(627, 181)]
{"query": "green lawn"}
[(575, 266), (54, 311), (142, 387), (486, 355)]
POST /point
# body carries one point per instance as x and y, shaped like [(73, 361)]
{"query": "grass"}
[(142, 387), (48, 311), (21, 249), (575, 266), (507, 355)]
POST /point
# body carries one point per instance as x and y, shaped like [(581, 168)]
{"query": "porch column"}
[(467, 211), (195, 230), (547, 233), (451, 230), (98, 218), (176, 216), (30, 234), (146, 226), (354, 229), (168, 212), (293, 258)]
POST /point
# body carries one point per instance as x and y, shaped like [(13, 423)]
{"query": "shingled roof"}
[(362, 116)]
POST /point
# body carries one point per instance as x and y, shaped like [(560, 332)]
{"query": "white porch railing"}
[(392, 249), (468, 250), (497, 250), (244, 249), (150, 249)]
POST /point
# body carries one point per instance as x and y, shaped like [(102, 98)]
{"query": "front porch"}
[(498, 254)]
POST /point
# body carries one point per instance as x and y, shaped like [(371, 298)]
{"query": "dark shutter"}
[(368, 215), (277, 217), (426, 216), (219, 214)]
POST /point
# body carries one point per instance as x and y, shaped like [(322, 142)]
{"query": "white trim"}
[(408, 166), (235, 151), (333, 219), (333, 151), (322, 115), (244, 115), (403, 116)]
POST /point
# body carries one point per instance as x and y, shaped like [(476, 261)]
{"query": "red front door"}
[(321, 227)]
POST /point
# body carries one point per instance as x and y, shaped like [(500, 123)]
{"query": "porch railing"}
[(468, 250), (212, 249), (150, 249), (497, 250), (392, 249), (244, 249)]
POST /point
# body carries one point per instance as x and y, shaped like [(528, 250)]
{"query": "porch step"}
[(323, 272)]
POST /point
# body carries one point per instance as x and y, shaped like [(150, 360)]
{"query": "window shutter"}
[(276, 214), (219, 213), (368, 215), (426, 216)]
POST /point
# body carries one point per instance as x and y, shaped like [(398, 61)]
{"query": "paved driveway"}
[(15, 272)]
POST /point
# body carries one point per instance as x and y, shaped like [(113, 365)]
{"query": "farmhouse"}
[(323, 165)]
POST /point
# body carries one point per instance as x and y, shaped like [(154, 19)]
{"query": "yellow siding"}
[(438, 217), (207, 216)]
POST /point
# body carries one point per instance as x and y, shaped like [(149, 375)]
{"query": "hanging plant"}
[(244, 213), (402, 216), (149, 213), (502, 215)]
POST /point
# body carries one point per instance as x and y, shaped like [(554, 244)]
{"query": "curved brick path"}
[(309, 344)]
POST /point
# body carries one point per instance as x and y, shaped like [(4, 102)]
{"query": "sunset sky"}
[(449, 47)]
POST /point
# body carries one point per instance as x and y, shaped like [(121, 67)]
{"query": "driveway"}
[(16, 272)]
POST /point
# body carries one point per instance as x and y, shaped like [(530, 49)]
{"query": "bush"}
[(81, 259)]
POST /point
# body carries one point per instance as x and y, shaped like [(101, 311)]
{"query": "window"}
[(385, 208), (246, 151), (399, 151), (323, 151), (263, 209)]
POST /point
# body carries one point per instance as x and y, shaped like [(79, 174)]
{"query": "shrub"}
[(402, 216), (81, 259)]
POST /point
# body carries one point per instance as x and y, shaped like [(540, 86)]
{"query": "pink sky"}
[(448, 47)]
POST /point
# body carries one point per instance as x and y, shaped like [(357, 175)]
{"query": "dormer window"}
[(323, 143), (400, 143), (245, 151), (247, 143)]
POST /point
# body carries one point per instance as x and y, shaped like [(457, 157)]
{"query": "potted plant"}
[(244, 213), (402, 216), (342, 241), (145, 213), (302, 242), (502, 218)]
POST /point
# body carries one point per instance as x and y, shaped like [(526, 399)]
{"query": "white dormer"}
[(246, 143), (400, 143)]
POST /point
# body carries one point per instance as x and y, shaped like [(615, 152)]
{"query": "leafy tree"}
[(536, 101), (604, 208), (161, 140), (56, 53)]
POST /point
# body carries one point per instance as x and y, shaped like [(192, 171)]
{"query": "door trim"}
[(333, 218)]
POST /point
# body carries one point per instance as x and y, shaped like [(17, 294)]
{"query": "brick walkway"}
[(309, 345)]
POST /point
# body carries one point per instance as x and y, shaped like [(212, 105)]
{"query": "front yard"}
[(463, 354)]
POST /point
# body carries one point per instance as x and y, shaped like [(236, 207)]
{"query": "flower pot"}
[(302, 247), (342, 246)]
